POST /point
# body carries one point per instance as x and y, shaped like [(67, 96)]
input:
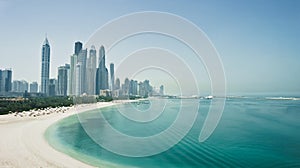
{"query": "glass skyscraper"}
[(91, 71), (45, 67), (5, 80), (62, 80), (102, 73), (78, 47), (112, 76)]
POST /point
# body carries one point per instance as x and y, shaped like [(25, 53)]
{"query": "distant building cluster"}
[(86, 74)]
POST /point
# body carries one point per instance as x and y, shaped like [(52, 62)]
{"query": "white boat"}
[(208, 97)]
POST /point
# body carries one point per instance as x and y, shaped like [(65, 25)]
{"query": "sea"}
[(253, 131)]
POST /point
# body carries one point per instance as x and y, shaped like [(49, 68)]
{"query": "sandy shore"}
[(22, 142)]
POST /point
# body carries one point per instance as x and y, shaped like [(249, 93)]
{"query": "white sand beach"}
[(22, 142)]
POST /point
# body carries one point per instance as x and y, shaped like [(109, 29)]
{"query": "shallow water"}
[(253, 132)]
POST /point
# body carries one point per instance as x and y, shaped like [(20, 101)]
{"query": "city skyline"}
[(253, 44)]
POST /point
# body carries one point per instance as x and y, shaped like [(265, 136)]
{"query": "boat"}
[(208, 97)]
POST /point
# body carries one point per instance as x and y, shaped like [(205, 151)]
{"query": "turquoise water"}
[(253, 132)]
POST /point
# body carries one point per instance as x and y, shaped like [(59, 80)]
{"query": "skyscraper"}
[(102, 72), (45, 67), (91, 71), (78, 47), (20, 86), (78, 79), (112, 76), (68, 68), (81, 59), (118, 84), (5, 80), (125, 87), (62, 81), (72, 83), (52, 87), (1, 81), (133, 87), (33, 87)]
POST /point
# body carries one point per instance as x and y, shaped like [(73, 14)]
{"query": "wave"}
[(283, 98)]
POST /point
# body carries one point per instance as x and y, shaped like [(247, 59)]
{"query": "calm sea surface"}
[(253, 132)]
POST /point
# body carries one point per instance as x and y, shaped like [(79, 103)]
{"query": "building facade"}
[(20, 86), (45, 69), (91, 71), (78, 47), (102, 73), (52, 87), (112, 76), (62, 81), (33, 87), (5, 80), (82, 59)]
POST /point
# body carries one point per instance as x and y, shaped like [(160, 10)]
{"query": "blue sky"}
[(258, 41)]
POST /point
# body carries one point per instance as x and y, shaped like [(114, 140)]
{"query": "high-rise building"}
[(45, 67), (102, 73), (20, 86), (145, 89), (133, 87), (52, 87), (15, 86), (117, 84), (62, 81), (142, 91), (5, 80), (78, 47), (68, 68), (24, 86), (72, 83), (1, 87), (78, 80), (125, 87), (91, 71), (81, 59), (112, 76), (101, 55), (33, 87)]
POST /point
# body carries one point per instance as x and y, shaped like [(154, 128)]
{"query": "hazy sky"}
[(258, 41)]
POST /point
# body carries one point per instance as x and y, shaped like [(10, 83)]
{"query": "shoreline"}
[(23, 143)]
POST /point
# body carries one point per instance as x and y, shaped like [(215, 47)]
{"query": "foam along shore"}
[(22, 142)]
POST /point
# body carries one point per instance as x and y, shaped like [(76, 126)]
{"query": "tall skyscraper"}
[(118, 84), (78, 47), (101, 55), (72, 83), (81, 59), (102, 72), (62, 81), (91, 71), (45, 67), (78, 79), (68, 68), (112, 76)]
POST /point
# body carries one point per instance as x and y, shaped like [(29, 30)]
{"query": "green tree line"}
[(12, 105)]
